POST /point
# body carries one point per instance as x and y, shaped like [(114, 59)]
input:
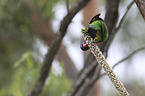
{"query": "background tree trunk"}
[(88, 12)]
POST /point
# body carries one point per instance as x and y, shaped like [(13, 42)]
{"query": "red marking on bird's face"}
[(99, 42), (87, 30), (85, 45)]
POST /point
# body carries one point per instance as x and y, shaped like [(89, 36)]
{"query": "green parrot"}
[(97, 29)]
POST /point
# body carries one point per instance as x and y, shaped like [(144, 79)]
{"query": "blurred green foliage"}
[(19, 68), (15, 36), (25, 72), (57, 84)]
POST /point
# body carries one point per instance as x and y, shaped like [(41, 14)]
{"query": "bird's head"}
[(96, 17), (84, 46), (92, 25)]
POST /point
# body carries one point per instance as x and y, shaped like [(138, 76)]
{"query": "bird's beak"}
[(85, 45), (89, 26)]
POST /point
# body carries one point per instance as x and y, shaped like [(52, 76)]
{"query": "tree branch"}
[(124, 16), (80, 81), (141, 5), (54, 47), (115, 29), (129, 56), (45, 31), (89, 85), (102, 61), (67, 5)]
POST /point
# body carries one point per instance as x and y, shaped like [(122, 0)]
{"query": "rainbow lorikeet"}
[(97, 29)]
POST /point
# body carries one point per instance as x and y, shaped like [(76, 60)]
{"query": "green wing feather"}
[(101, 28), (104, 31)]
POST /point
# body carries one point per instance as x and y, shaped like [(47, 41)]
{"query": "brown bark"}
[(141, 5)]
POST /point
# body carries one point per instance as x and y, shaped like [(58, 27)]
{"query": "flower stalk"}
[(102, 61)]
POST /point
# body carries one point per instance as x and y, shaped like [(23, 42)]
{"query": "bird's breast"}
[(92, 32)]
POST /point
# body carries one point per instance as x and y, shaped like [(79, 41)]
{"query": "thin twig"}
[(67, 5), (129, 56), (124, 16)]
